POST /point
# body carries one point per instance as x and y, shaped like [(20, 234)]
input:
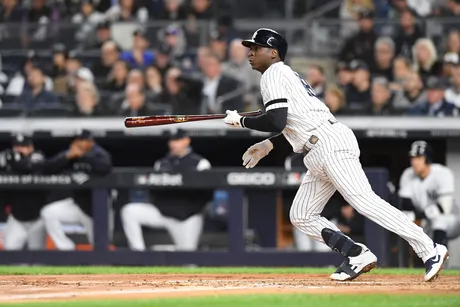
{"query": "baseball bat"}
[(160, 120)]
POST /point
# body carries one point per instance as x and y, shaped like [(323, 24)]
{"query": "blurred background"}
[(71, 70)]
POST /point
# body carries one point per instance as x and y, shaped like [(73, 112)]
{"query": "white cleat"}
[(434, 264), (352, 267)]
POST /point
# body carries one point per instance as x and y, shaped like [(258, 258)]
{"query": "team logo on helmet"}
[(271, 41)]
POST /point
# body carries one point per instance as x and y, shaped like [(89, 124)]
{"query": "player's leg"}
[(87, 222), (445, 227), (136, 215), (15, 234), (185, 234), (36, 235), (345, 171), (56, 213)]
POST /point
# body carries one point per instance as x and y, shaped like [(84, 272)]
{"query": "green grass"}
[(50, 270), (297, 300)]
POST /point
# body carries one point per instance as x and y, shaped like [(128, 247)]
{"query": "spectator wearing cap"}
[(452, 94), (139, 56), (317, 79), (163, 59), (154, 81), (127, 10), (87, 20), (344, 75), (408, 33), (24, 227), (219, 46), (181, 214), (109, 55), (87, 103), (10, 12), (84, 157), (173, 10), (334, 98), (361, 45), (436, 104), (19, 81), (383, 58), (174, 39), (426, 59), (135, 103), (358, 93), (450, 61), (381, 99), (117, 78), (412, 93), (201, 9), (217, 87), (34, 92)]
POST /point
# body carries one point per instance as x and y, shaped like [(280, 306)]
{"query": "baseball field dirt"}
[(72, 289)]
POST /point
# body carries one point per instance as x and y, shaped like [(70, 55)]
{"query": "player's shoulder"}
[(440, 169), (277, 70), (408, 174)]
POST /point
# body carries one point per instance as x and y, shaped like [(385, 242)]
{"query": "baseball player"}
[(428, 187), (24, 227), (331, 157)]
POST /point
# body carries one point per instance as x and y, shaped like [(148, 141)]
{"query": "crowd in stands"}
[(172, 71)]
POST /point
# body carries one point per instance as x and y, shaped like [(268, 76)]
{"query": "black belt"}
[(314, 139)]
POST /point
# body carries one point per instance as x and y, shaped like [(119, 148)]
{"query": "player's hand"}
[(232, 118), (256, 152), (74, 152)]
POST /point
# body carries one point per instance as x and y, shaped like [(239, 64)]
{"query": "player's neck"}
[(262, 70), (425, 172)]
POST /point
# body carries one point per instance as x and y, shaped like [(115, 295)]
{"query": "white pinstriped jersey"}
[(305, 111)]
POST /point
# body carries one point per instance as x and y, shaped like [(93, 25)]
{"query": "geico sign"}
[(251, 178)]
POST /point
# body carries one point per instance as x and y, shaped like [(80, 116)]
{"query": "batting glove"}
[(233, 118), (256, 152)]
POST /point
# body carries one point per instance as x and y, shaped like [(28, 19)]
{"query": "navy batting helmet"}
[(421, 148), (268, 38)]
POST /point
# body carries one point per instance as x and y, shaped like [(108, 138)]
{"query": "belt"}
[(314, 139)]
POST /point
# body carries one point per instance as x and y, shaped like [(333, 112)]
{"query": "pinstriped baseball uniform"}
[(332, 161)]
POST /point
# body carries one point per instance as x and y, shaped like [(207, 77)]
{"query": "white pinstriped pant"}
[(333, 164)]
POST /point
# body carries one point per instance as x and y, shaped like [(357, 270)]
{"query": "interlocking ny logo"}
[(80, 178)]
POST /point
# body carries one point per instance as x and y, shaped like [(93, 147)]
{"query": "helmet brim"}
[(250, 42)]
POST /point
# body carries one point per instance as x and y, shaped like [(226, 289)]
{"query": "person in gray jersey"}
[(331, 150), (428, 188)]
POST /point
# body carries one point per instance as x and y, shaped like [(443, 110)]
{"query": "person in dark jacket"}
[(383, 60), (181, 213), (358, 92), (83, 159), (436, 104), (407, 34), (34, 92), (24, 226), (361, 46), (381, 99)]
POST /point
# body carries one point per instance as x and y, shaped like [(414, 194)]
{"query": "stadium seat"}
[(160, 109), (12, 110), (50, 110)]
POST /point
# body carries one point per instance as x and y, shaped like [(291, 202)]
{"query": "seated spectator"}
[(381, 99), (39, 12), (317, 80), (163, 59), (450, 61), (82, 75), (436, 104), (60, 55), (87, 101), (66, 84), (174, 39), (344, 75), (135, 104), (19, 81), (136, 76), (334, 98), (10, 12), (88, 18), (358, 93), (426, 59), (34, 91), (398, 7), (202, 53), (139, 57), (173, 10), (217, 86), (408, 33), (453, 41), (103, 34), (116, 80), (361, 45), (226, 29), (412, 93), (383, 58), (401, 69), (239, 68), (219, 46), (451, 9), (452, 94), (154, 81), (349, 14), (127, 10), (184, 94), (109, 55), (201, 9)]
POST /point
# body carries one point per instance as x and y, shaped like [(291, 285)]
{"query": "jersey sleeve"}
[(274, 89), (404, 184), (446, 182)]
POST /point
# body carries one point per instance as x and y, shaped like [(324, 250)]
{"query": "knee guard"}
[(340, 243)]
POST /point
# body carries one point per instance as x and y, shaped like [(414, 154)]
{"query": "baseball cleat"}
[(434, 264), (352, 267)]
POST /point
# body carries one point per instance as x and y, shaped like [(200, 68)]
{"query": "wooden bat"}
[(160, 120)]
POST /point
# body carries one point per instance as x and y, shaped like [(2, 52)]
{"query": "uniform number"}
[(307, 86)]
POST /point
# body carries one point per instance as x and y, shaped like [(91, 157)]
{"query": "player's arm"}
[(445, 201)]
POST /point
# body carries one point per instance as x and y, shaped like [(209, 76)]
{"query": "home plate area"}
[(20, 288)]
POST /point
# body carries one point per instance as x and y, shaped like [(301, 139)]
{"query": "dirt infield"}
[(77, 287)]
